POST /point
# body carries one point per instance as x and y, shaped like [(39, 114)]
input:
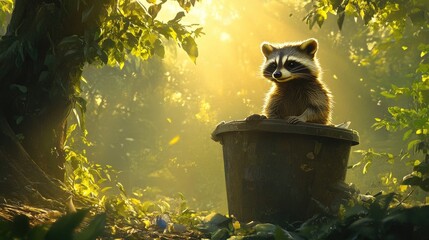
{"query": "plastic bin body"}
[(278, 172)]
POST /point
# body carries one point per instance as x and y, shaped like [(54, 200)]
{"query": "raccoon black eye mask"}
[(298, 93)]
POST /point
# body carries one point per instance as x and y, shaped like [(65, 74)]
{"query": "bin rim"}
[(281, 126)]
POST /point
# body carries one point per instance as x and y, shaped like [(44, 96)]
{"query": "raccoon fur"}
[(298, 94)]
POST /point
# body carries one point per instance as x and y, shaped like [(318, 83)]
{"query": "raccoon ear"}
[(309, 46), (267, 49)]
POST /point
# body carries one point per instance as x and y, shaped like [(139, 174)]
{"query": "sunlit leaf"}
[(174, 140), (198, 32), (407, 134), (412, 144), (147, 206), (365, 167), (417, 162), (121, 188), (403, 188), (355, 165), (190, 46), (105, 189), (154, 10), (76, 116), (387, 94)]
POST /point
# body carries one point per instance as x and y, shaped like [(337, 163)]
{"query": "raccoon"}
[(298, 93)]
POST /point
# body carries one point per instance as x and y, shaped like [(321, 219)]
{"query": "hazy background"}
[(153, 120)]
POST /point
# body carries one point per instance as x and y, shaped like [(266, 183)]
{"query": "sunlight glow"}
[(225, 37)]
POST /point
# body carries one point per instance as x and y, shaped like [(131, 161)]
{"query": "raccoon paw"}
[(255, 117), (294, 120)]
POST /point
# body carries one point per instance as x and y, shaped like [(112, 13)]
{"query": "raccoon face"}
[(290, 61)]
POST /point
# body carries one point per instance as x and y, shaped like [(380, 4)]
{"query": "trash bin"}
[(277, 172)]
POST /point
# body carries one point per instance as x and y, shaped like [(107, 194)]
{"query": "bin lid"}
[(281, 126)]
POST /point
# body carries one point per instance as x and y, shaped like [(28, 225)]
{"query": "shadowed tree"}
[(42, 55)]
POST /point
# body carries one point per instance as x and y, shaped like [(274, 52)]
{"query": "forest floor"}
[(381, 216), (12, 213)]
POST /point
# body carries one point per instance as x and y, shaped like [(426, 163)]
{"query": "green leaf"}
[(387, 94), (322, 14), (407, 134), (105, 189), (147, 206), (365, 167), (198, 32), (221, 234), (21, 88), (178, 17), (108, 44), (19, 120), (159, 48), (154, 10), (50, 61), (70, 40), (412, 144), (94, 229), (281, 234), (340, 20), (132, 40), (411, 180), (103, 56), (265, 228), (81, 102), (190, 47), (65, 226)]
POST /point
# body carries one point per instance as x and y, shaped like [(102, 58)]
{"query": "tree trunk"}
[(21, 178), (39, 77)]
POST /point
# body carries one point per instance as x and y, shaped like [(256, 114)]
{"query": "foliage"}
[(82, 177), (395, 32), (390, 14), (132, 28), (365, 217), (382, 216), (6, 7), (55, 52), (414, 119), (140, 122), (379, 217), (100, 187), (113, 32), (64, 228)]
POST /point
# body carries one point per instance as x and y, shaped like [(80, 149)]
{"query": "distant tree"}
[(42, 56)]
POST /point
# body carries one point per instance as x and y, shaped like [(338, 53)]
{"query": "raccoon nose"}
[(277, 74)]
